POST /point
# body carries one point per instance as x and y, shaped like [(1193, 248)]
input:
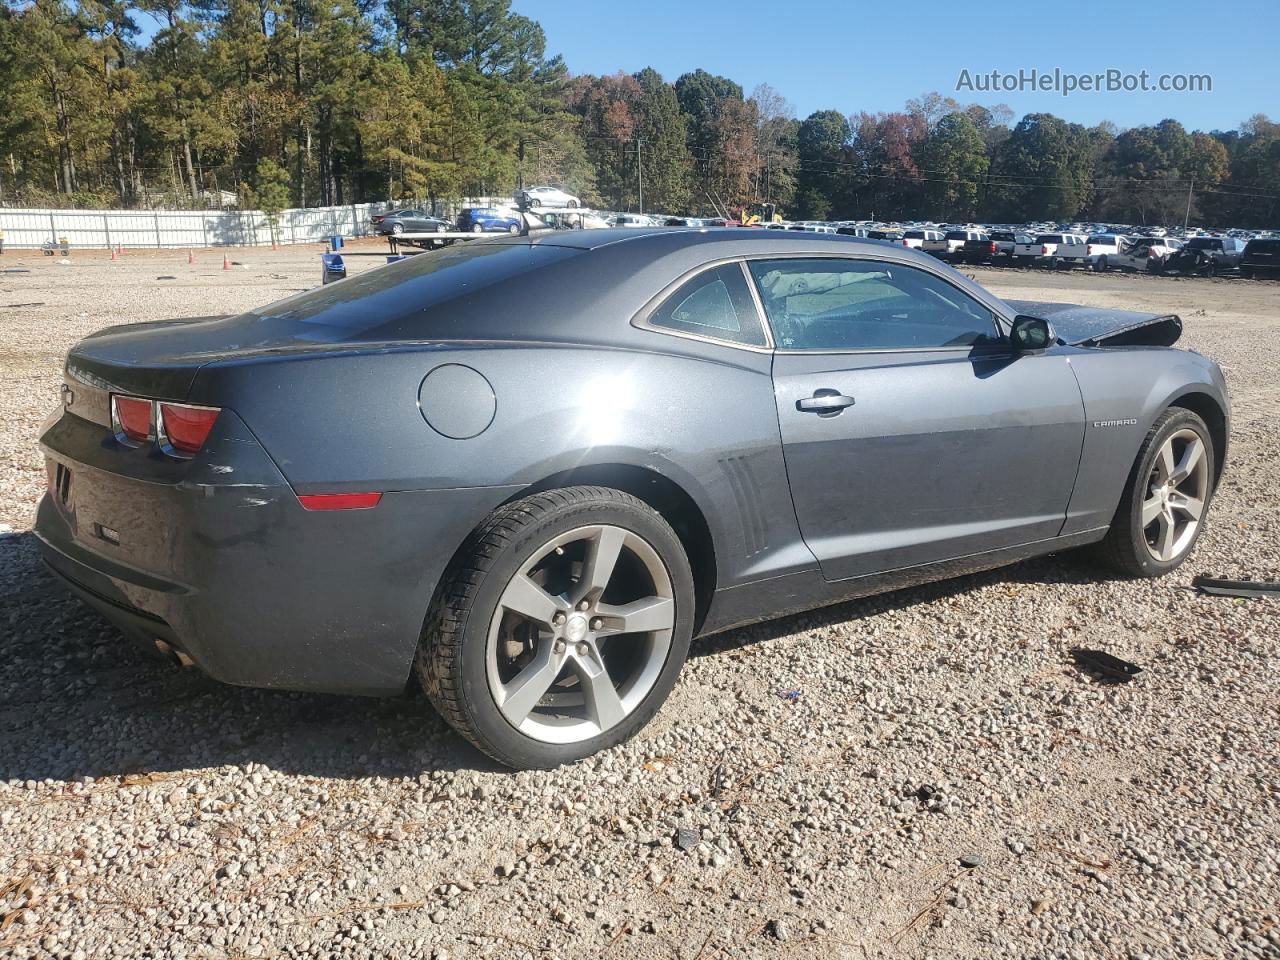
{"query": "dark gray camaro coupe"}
[(532, 468)]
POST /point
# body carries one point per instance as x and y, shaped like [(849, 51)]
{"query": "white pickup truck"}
[(950, 244), (1093, 253), (1046, 247), (915, 239)]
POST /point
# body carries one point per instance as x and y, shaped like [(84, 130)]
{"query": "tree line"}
[(193, 102)]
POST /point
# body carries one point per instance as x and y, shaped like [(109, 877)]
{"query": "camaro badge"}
[(1115, 423)]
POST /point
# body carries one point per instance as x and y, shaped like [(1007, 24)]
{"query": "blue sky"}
[(853, 55)]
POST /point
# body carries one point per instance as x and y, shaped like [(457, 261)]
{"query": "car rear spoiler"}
[(1079, 326)]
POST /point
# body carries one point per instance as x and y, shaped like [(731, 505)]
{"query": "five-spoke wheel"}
[(580, 634), (1176, 492), (560, 627), (1163, 507)]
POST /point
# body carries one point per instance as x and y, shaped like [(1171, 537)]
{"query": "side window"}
[(839, 304), (716, 303)]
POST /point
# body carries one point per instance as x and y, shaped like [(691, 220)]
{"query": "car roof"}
[(673, 238)]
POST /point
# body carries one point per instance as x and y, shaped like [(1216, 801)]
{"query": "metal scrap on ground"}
[(1236, 588)]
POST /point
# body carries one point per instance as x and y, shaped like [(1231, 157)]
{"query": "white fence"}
[(181, 228)]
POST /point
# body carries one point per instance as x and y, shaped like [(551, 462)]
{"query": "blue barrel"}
[(335, 242), (332, 268)]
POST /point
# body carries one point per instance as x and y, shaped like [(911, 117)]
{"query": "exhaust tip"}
[(169, 651)]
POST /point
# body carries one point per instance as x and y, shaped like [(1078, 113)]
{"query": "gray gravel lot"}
[(146, 811)]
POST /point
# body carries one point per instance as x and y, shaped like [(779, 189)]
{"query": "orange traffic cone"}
[(113, 254), (191, 256), (120, 249), (226, 264)]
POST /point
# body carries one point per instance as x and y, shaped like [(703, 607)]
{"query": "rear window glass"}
[(1105, 239), (1050, 238), (999, 235), (957, 235), (914, 234), (402, 290), (1263, 246), (1204, 243)]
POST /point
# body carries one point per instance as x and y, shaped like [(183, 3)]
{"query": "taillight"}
[(131, 417), (185, 427), (992, 248), (1151, 253), (1044, 251)]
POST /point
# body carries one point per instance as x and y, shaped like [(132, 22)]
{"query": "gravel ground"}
[(146, 811)]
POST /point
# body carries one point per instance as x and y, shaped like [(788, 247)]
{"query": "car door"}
[(911, 433)]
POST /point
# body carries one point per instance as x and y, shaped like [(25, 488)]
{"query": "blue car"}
[(487, 220)]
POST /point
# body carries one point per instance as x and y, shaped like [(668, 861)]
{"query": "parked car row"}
[(1209, 256), (1096, 247)]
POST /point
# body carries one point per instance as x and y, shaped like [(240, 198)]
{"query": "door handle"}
[(824, 402)]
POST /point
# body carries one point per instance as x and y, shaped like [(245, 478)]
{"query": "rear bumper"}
[(222, 562)]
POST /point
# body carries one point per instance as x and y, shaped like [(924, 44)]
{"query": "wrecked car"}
[(526, 472)]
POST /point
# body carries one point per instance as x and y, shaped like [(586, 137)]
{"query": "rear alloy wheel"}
[(1164, 507), (560, 628), (397, 228), (572, 204), (513, 229)]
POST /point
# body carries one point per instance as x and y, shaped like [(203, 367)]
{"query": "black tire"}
[(572, 204), (535, 204), (397, 228), (513, 229), (452, 664), (1125, 545), (477, 228)]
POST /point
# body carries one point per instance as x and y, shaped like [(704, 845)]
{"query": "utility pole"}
[(639, 175), (1186, 219)]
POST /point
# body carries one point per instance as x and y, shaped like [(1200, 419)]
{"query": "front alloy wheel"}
[(560, 626), (1177, 488), (1166, 501)]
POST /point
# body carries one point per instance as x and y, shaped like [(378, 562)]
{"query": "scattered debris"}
[(687, 838), (971, 861), (1040, 905), (166, 277), (1107, 666), (781, 930), (791, 696), (1236, 588), (37, 303)]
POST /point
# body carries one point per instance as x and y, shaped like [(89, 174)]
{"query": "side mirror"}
[(1031, 334)]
